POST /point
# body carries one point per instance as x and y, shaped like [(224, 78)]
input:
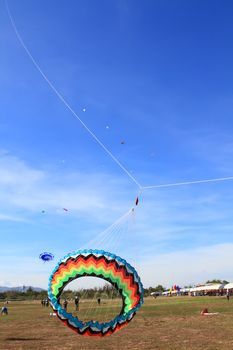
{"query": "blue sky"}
[(154, 74)]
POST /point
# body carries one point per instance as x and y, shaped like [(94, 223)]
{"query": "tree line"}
[(108, 292)]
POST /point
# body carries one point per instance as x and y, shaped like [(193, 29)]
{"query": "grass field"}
[(162, 323)]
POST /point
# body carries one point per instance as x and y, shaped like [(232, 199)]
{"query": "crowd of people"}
[(46, 303)]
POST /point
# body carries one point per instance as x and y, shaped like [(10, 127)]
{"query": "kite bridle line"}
[(108, 240), (63, 100)]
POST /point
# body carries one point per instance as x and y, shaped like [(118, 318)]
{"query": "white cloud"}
[(15, 173), (25, 188), (163, 218), (188, 267), (11, 218), (181, 267)]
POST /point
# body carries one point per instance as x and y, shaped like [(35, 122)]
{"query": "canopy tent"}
[(208, 287), (185, 290), (229, 285), (166, 292)]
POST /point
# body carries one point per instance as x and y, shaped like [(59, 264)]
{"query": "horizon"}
[(75, 287)]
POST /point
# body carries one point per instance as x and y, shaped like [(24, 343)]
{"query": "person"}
[(4, 310), (204, 311), (98, 300), (52, 314), (65, 304), (228, 295), (76, 301)]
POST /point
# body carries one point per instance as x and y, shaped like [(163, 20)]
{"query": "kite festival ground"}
[(162, 323)]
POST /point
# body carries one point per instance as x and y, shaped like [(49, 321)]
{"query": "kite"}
[(137, 200), (46, 256), (122, 142), (65, 209), (107, 266)]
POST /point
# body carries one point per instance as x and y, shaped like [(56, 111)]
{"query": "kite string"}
[(112, 242), (187, 183), (111, 238), (107, 233), (97, 243), (62, 99), (111, 235), (118, 238), (65, 102), (111, 245)]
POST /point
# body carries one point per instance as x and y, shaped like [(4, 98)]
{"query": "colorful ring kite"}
[(107, 266)]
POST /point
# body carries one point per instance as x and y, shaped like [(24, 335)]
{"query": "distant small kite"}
[(65, 209), (42, 211), (136, 202), (46, 256), (122, 142), (84, 109)]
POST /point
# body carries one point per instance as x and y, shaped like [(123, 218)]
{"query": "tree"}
[(217, 281), (159, 288)]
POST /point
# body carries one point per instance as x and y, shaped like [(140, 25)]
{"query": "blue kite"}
[(46, 256)]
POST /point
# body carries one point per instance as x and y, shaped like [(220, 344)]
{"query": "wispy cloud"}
[(27, 188), (11, 218), (182, 267), (189, 267), (190, 228)]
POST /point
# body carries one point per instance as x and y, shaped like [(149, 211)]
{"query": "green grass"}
[(162, 323)]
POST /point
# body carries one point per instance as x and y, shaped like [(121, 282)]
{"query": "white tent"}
[(155, 294), (228, 285), (216, 286), (185, 290), (197, 289), (208, 287), (166, 292)]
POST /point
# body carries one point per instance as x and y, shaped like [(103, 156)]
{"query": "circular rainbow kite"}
[(107, 266)]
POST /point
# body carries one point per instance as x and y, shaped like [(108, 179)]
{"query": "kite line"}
[(92, 134), (187, 183), (62, 99)]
